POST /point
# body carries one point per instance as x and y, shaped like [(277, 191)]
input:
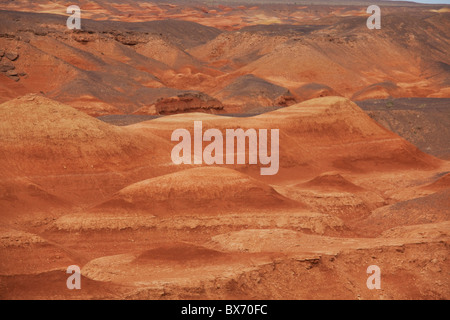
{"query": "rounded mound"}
[(179, 253), (433, 208), (46, 136), (336, 134), (252, 92), (381, 90), (314, 90), (331, 181), (25, 196), (208, 190)]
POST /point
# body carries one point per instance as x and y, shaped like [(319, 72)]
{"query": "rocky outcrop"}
[(129, 39), (185, 102), (83, 36), (7, 67), (13, 56)]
